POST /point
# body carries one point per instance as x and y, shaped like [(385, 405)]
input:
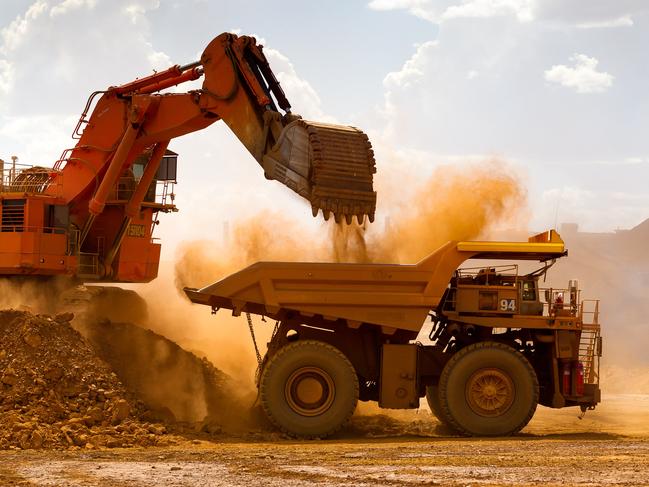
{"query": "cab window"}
[(529, 291)]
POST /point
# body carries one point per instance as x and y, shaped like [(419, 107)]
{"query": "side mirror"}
[(547, 296)]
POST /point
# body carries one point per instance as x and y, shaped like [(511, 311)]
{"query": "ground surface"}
[(609, 446)]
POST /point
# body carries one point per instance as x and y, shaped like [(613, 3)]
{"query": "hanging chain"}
[(275, 329), (254, 340)]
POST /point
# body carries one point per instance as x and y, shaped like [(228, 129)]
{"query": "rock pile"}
[(55, 392), (176, 385)]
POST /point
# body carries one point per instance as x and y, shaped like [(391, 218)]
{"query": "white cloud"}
[(521, 9), (479, 89), (36, 139), (69, 5), (60, 39), (637, 160), (570, 195), (626, 161), (6, 77), (303, 97), (598, 14), (583, 76), (16, 31), (436, 13), (136, 10), (624, 21), (158, 59), (419, 8), (413, 69), (49, 49)]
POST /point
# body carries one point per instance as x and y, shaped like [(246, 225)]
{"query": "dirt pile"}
[(176, 386), (56, 393)]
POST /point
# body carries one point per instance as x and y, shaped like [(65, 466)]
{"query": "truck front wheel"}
[(488, 389), (309, 389)]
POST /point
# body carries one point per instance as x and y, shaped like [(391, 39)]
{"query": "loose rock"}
[(50, 378)]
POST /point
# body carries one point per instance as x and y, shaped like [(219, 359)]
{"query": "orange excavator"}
[(92, 215)]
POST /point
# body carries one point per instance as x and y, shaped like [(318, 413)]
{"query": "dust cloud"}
[(38, 296), (265, 236), (481, 200), (455, 202), (458, 202)]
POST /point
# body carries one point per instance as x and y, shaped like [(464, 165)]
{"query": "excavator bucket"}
[(330, 165)]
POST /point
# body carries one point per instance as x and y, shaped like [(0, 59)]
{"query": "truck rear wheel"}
[(488, 389), (309, 389)]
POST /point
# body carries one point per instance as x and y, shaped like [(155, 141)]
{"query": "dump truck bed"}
[(392, 296)]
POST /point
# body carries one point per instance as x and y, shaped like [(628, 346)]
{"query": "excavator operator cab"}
[(161, 185)]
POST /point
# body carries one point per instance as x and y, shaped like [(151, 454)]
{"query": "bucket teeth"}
[(342, 169), (331, 165)]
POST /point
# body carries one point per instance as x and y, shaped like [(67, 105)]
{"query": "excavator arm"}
[(331, 166)]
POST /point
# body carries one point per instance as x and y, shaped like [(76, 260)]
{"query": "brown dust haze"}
[(454, 203)]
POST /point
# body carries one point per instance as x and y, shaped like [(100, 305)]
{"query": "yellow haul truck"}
[(499, 343)]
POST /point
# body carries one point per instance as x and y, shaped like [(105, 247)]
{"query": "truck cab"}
[(492, 291)]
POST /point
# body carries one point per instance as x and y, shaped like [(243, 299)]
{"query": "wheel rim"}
[(490, 392), (309, 391)]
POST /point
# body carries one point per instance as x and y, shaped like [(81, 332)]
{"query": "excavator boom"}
[(98, 203), (332, 166)]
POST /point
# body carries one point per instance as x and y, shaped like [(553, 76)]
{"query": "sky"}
[(558, 88)]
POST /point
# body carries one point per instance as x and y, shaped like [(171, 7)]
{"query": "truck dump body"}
[(391, 296)]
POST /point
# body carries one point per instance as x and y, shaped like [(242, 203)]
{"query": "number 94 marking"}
[(507, 305)]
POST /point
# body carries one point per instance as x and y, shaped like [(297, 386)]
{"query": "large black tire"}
[(432, 397), (309, 389), (488, 389)]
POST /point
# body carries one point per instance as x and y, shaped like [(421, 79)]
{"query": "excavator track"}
[(332, 166)]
